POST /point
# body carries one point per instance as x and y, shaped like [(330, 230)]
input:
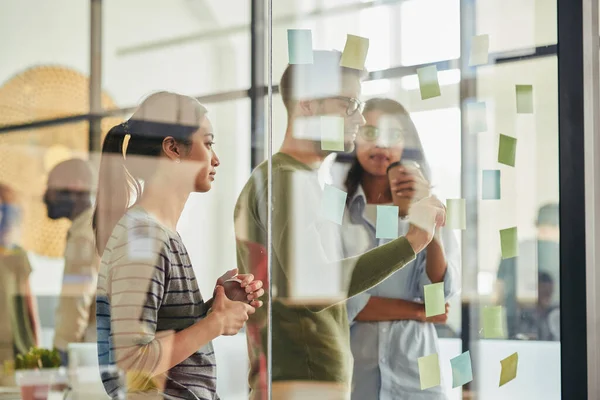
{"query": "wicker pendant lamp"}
[(26, 156)]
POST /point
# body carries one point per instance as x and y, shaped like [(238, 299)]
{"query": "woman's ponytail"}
[(113, 195)]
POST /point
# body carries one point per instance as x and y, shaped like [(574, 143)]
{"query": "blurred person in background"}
[(152, 321), (311, 355), (69, 195), (19, 326), (389, 330), (541, 254), (542, 320)]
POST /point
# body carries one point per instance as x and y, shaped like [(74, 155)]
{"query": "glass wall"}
[(367, 295)]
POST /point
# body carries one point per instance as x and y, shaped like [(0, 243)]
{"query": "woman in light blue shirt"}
[(389, 331)]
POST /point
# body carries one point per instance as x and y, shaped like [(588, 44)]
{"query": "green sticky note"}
[(428, 82), (429, 371), (387, 222), (333, 204), (300, 50), (456, 214), (355, 52), (490, 184), (509, 368), (480, 46), (493, 322), (332, 133), (524, 99), (435, 304), (462, 372), (507, 149), (477, 117), (508, 243)]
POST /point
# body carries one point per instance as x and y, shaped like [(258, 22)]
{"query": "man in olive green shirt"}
[(310, 331)]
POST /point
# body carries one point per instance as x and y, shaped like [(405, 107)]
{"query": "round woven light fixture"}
[(26, 156)]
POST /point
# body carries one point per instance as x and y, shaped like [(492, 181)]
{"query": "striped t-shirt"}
[(146, 285)]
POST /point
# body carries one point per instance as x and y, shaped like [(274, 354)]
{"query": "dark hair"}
[(320, 79), (544, 277), (413, 149), (122, 166)]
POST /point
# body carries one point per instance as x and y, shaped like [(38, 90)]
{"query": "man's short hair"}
[(321, 79), (548, 215)]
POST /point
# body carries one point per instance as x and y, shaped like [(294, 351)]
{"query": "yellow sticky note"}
[(355, 52), (300, 49), (509, 243), (428, 82), (429, 371), (332, 133), (493, 322), (509, 368), (507, 150), (435, 303), (524, 99), (456, 214), (480, 47)]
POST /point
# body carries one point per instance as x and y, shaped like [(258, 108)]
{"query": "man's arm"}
[(380, 309), (78, 292)]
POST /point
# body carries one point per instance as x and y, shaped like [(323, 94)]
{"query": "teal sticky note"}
[(456, 214), (332, 133), (493, 322), (355, 52), (490, 184), (507, 150), (435, 303), (480, 47), (387, 222), (333, 204), (477, 117), (428, 82), (524, 99), (462, 371), (300, 49), (429, 371), (509, 242)]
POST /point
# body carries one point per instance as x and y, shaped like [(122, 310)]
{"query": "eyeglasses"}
[(372, 133), (354, 105)]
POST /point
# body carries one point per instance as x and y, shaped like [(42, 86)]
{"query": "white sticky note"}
[(456, 214), (480, 47), (332, 133), (477, 117)]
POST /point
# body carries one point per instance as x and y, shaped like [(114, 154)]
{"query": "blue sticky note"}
[(300, 49), (387, 222), (462, 372), (477, 117), (490, 185), (333, 204)]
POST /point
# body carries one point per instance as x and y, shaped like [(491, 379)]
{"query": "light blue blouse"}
[(386, 353)]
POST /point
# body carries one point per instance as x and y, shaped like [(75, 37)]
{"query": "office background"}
[(99, 58)]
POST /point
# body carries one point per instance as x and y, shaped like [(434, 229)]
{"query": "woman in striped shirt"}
[(152, 322)]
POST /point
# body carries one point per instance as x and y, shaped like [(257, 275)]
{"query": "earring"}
[(177, 160)]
